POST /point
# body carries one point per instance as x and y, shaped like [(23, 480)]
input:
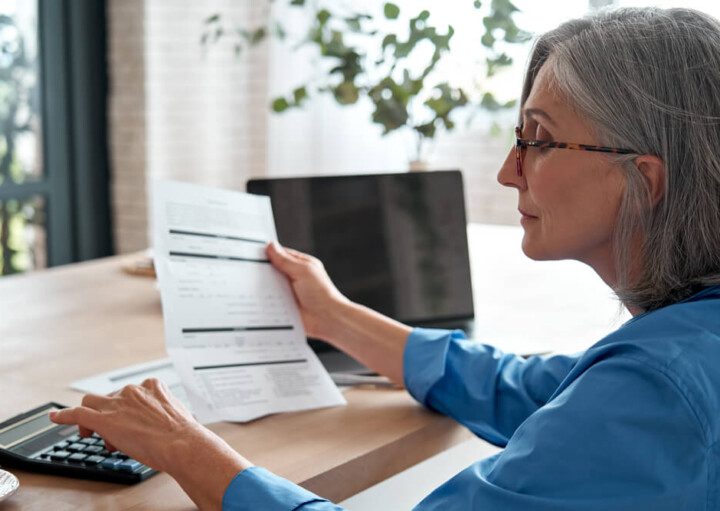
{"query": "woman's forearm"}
[(373, 339)]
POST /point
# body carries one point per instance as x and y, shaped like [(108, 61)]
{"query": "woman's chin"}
[(535, 250)]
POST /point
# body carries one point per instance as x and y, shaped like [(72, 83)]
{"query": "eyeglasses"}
[(521, 144)]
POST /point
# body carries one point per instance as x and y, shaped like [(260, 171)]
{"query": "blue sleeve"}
[(622, 436), (486, 390), (256, 488)]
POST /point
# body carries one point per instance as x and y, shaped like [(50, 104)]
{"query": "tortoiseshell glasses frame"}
[(521, 144)]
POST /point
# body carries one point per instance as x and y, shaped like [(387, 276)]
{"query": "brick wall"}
[(126, 115), (176, 111)]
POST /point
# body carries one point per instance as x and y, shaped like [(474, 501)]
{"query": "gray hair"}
[(649, 79)]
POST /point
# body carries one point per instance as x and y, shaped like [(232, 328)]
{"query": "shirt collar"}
[(707, 292)]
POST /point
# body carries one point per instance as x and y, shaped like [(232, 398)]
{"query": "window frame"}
[(72, 74)]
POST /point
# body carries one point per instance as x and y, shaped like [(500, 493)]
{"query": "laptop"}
[(395, 242)]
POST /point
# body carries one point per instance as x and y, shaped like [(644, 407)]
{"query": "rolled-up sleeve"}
[(256, 488), (486, 390)]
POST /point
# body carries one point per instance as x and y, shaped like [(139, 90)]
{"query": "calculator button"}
[(110, 463), (61, 445), (104, 452), (88, 441), (74, 438), (93, 460), (77, 457), (129, 465), (93, 449), (120, 455), (59, 455), (76, 447)]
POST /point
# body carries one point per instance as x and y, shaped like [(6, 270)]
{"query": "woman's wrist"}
[(204, 465), (336, 319), (368, 336)]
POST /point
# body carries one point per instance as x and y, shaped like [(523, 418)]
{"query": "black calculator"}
[(31, 441)]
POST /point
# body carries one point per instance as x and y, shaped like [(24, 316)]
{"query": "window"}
[(53, 157), (22, 205)]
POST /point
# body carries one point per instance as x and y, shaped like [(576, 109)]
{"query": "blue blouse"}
[(631, 424)]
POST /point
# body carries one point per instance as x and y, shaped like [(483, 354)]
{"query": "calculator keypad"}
[(91, 452), (48, 448)]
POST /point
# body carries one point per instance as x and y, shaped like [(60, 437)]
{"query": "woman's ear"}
[(653, 170)]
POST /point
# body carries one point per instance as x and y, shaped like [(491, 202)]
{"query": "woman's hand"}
[(149, 424), (141, 420), (317, 297), (375, 340)]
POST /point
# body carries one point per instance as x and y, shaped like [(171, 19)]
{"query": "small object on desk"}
[(32, 442), (142, 266), (351, 380), (9, 484)]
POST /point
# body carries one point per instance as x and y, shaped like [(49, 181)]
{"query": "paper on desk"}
[(232, 328), (105, 383)]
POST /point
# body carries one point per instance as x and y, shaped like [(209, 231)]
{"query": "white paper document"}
[(112, 381), (232, 328)]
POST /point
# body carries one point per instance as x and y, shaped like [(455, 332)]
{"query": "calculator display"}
[(25, 429)]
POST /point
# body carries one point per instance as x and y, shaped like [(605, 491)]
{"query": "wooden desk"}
[(59, 325), (64, 324)]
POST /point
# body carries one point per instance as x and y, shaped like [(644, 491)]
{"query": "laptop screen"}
[(396, 243)]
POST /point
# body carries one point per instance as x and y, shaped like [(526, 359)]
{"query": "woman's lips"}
[(525, 214)]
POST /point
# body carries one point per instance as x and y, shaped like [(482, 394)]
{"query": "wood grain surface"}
[(63, 324)]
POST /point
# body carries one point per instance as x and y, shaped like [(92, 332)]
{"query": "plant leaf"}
[(497, 62), (488, 40), (391, 11), (323, 16), (280, 105), (390, 39), (346, 93), (488, 102), (280, 31), (258, 35), (427, 129), (299, 95)]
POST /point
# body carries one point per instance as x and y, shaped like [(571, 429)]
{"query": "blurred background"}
[(97, 98)]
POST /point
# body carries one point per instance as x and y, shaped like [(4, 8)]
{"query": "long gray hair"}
[(649, 79)]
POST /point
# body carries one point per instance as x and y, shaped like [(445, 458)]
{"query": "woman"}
[(616, 165)]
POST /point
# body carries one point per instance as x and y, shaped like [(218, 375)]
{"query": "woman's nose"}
[(507, 175)]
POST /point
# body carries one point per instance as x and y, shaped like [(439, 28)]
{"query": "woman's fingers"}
[(301, 256), (87, 416), (283, 260), (96, 401), (157, 387), (79, 415)]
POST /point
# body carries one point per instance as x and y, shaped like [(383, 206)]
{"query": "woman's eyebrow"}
[(537, 112)]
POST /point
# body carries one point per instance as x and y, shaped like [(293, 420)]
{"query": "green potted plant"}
[(404, 96)]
